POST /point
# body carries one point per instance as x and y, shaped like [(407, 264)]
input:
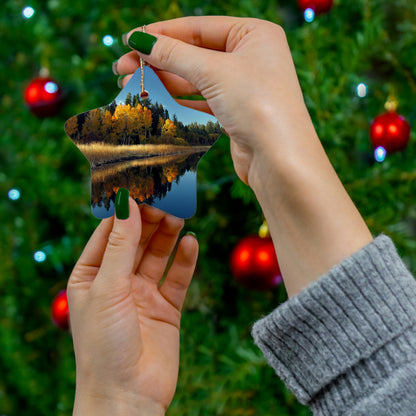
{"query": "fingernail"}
[(124, 39), (122, 204), (120, 81), (191, 233), (142, 42), (114, 67), (223, 136)]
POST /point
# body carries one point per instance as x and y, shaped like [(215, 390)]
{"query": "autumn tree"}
[(120, 123), (91, 129), (107, 127), (71, 128), (168, 131), (134, 124), (146, 121)]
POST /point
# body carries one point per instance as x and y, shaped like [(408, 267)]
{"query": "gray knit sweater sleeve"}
[(346, 345)]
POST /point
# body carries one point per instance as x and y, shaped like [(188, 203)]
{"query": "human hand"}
[(244, 70), (125, 325)]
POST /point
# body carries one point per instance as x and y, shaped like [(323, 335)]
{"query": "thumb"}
[(190, 62), (123, 240)]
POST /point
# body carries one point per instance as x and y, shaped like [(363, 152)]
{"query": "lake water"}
[(170, 187)]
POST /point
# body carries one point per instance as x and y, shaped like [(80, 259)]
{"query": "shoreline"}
[(102, 155), (129, 158)]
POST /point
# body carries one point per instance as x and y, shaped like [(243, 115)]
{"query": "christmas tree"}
[(349, 61)]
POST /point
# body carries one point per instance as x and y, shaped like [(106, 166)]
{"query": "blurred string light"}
[(51, 87), (380, 154), (28, 12), (14, 194), (362, 90), (40, 256), (108, 40), (309, 15)]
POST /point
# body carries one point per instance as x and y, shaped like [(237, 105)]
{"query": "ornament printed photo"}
[(146, 142)]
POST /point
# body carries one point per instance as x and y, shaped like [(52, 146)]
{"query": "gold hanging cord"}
[(143, 93)]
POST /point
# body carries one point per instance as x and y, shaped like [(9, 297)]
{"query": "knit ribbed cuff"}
[(349, 321)]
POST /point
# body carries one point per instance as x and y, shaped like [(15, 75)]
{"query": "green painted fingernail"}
[(142, 42), (223, 136), (191, 233), (114, 67), (122, 204)]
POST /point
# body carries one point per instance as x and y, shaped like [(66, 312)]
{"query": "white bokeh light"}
[(362, 90), (14, 194), (108, 40), (51, 87), (380, 154), (40, 256), (309, 15), (28, 12)]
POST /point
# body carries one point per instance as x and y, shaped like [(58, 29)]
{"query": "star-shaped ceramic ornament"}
[(146, 142)]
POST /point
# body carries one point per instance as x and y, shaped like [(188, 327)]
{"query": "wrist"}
[(284, 153), (124, 404), (311, 218)]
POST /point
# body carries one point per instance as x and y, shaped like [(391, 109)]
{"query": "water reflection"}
[(166, 182)]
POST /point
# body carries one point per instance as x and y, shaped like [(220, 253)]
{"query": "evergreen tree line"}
[(138, 121)]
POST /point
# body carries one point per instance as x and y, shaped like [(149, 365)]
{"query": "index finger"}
[(209, 32), (93, 252)]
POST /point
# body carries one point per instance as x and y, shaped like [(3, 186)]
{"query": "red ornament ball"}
[(254, 263), (44, 97), (391, 131), (60, 311), (318, 6)]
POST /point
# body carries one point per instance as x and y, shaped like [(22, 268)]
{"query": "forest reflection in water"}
[(167, 182)]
